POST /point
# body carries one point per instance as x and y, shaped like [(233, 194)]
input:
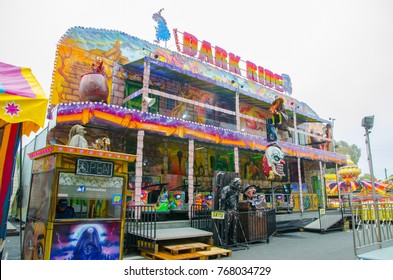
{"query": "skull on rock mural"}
[(273, 163)]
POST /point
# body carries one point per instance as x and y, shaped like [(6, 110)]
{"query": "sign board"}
[(219, 57), (322, 211), (90, 187), (94, 167), (218, 215)]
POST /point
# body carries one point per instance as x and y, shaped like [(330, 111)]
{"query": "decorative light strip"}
[(60, 149), (134, 119)]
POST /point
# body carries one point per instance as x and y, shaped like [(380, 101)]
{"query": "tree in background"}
[(344, 148), (352, 150), (365, 177)]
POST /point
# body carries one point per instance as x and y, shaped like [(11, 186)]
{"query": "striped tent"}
[(23, 107)]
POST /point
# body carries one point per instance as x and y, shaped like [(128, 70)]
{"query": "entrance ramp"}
[(327, 219)]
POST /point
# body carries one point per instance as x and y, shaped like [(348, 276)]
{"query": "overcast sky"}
[(338, 53)]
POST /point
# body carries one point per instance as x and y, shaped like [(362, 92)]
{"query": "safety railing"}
[(280, 202), (234, 229), (201, 217), (372, 223), (140, 228)]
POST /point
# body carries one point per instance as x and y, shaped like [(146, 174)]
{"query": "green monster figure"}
[(163, 201)]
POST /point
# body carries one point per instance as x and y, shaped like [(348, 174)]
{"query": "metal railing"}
[(330, 219), (233, 228), (372, 223), (258, 225), (140, 228), (201, 217), (280, 202)]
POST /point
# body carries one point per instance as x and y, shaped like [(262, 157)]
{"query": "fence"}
[(372, 223), (280, 202), (233, 228), (140, 228)]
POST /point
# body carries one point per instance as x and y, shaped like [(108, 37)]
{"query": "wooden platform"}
[(187, 251), (181, 233), (175, 233), (188, 247)]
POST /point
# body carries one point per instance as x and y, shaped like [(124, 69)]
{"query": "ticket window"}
[(92, 197)]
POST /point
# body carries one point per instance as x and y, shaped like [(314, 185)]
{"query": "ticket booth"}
[(76, 209)]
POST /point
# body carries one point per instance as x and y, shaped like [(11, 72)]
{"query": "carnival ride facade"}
[(186, 120)]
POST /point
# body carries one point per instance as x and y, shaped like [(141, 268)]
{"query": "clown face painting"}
[(273, 163)]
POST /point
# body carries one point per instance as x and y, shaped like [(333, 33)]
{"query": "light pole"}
[(368, 123)]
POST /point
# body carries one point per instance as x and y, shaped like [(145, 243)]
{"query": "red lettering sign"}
[(230, 62)]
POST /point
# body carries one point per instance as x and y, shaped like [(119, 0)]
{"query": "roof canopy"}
[(132, 52)]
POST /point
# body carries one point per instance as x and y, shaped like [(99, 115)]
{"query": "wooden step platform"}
[(215, 253), (187, 251), (186, 248)]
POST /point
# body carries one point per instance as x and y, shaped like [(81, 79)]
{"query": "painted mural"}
[(38, 214), (79, 47), (86, 241), (103, 114)]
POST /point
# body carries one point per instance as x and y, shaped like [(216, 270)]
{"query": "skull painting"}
[(273, 163)]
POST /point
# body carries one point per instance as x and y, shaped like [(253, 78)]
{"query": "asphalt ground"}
[(289, 245), (301, 245)]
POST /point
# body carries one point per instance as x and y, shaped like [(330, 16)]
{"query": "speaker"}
[(368, 122), (149, 101)]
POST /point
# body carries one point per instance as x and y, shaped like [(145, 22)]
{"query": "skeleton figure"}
[(273, 163), (229, 196)]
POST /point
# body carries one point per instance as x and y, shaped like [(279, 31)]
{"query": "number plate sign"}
[(94, 167)]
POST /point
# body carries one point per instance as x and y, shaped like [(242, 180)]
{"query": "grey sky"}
[(338, 53)]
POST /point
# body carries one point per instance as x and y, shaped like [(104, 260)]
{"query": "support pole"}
[(145, 88), (300, 185), (321, 170), (301, 206), (139, 167), (336, 166), (236, 159), (191, 149)]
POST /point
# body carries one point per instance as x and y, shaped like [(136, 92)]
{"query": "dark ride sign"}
[(228, 61)]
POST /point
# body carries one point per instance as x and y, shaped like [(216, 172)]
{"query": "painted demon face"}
[(273, 162)]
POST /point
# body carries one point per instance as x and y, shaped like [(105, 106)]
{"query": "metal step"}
[(324, 222)]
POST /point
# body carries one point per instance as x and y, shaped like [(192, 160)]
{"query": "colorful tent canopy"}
[(23, 107), (364, 187), (22, 99)]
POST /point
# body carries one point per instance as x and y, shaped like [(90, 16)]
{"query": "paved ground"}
[(291, 245), (297, 245)]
